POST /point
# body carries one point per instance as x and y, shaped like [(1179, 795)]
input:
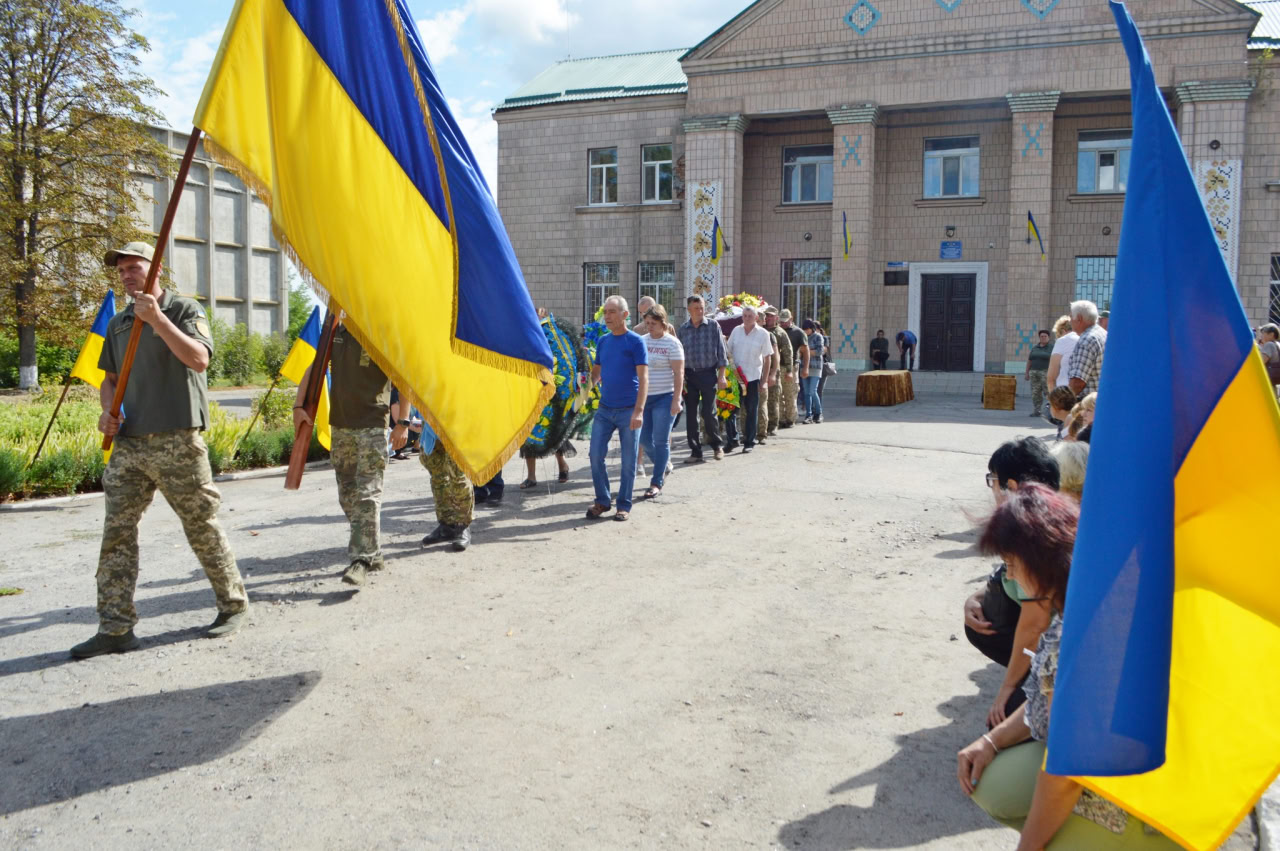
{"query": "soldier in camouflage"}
[(158, 446), (778, 387), (453, 497), (359, 407)]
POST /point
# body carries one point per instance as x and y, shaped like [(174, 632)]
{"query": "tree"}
[(73, 128), (299, 306)]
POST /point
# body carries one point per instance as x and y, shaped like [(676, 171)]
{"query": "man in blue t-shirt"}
[(622, 368), (906, 350)]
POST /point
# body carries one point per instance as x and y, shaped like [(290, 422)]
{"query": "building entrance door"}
[(946, 322)]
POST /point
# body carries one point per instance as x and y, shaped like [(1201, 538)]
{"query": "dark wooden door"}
[(946, 322)]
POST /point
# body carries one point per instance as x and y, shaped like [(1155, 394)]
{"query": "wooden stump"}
[(885, 388), (999, 392)]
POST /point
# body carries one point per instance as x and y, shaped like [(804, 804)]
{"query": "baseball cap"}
[(771, 311), (808, 325), (133, 249), (785, 315)]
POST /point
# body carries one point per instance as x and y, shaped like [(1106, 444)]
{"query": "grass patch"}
[(10, 592)]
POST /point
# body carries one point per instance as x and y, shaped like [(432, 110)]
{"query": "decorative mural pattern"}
[(950, 5), (1024, 338), (1219, 182), (863, 16), (1040, 8), (1033, 139), (848, 339), (851, 150), (703, 276)]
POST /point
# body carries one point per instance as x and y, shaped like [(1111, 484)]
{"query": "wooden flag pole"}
[(49, 427), (122, 379), (310, 402)]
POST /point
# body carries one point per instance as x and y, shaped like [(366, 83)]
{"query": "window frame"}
[(657, 286), (656, 166), (1118, 143), (604, 169), (818, 163), (821, 299), (962, 156), (1273, 308), (604, 289), (1099, 289)]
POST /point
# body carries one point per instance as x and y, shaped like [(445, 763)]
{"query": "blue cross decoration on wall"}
[(847, 338), (1040, 8), (950, 5), (1033, 139), (1025, 338), (851, 151), (863, 16)]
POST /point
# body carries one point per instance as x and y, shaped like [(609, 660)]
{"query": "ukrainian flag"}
[(1167, 700), (1034, 232), (718, 247), (86, 366), (331, 112), (301, 356), (844, 216)]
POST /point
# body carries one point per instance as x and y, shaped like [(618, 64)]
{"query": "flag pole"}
[(49, 427), (261, 406), (122, 379), (310, 402)]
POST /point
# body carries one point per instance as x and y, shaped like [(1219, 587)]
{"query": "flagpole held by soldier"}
[(359, 407), (157, 447)]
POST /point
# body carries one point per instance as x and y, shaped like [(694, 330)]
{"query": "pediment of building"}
[(770, 33)]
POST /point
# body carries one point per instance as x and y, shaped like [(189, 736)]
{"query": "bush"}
[(55, 474), (242, 356), (54, 362), (275, 348), (276, 409), (13, 468)]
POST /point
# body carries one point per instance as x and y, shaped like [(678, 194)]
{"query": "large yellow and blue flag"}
[(1166, 698), (295, 366), (332, 114), (86, 365), (718, 246)]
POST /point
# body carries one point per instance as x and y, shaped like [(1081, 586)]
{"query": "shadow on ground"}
[(72, 752), (922, 770)]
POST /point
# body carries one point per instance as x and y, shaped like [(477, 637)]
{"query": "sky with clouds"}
[(482, 50)]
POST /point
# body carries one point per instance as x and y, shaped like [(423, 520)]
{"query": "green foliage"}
[(12, 472), (55, 362), (300, 308), (55, 474), (242, 356), (275, 348), (276, 409), (10, 592)]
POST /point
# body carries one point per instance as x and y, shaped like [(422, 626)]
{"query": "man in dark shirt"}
[(157, 445), (800, 360), (906, 350), (879, 350), (704, 365), (1037, 373)]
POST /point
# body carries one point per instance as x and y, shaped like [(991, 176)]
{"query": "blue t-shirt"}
[(617, 356), (906, 338)]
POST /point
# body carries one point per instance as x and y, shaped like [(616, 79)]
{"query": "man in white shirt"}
[(750, 347)]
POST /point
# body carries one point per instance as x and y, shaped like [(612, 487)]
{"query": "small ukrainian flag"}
[(86, 367), (845, 218), (301, 356), (718, 245), (1033, 231)]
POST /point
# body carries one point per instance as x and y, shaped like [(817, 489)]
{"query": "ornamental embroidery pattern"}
[(1219, 183), (702, 277)]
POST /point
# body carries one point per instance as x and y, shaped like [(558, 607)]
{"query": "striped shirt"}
[(703, 345), (663, 352), (1086, 358)]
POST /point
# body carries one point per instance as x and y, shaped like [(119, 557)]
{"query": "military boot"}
[(102, 644), (355, 573), (463, 539), (226, 623), (442, 533)]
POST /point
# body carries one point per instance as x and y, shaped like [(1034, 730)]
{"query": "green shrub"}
[(256, 450), (55, 474), (13, 467), (277, 409), (54, 362), (275, 348), (242, 356)]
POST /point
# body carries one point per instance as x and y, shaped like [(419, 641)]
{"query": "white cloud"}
[(179, 68), (524, 20), (440, 33), (481, 132)]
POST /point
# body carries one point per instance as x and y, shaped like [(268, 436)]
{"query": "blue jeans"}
[(812, 401), (655, 434), (606, 422)]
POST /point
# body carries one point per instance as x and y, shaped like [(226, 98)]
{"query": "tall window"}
[(656, 160), (1273, 315), (807, 174), (1095, 278), (658, 281), (603, 187), (806, 290), (951, 167), (1102, 163), (599, 281)]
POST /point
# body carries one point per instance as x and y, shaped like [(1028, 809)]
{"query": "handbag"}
[(828, 368)]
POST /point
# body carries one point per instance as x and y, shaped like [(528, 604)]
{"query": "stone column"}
[(853, 197), (1027, 291), (1211, 120), (713, 166)]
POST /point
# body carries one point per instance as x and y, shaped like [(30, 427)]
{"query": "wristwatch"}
[(404, 423)]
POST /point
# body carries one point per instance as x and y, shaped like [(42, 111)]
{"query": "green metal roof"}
[(603, 77), (1267, 33)]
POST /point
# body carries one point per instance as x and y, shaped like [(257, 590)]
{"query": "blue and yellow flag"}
[(332, 114), (1166, 698), (86, 366), (718, 246), (1033, 232), (844, 217), (301, 356)]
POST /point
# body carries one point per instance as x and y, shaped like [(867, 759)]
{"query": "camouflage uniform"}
[(778, 392), (359, 457), (449, 487), (176, 462)]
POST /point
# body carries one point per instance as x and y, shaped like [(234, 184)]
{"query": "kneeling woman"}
[(1034, 531)]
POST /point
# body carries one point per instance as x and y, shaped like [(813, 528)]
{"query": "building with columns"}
[(875, 164)]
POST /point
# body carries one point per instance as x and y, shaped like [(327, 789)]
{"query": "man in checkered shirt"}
[(1085, 366)]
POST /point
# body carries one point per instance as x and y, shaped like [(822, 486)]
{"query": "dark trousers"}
[(700, 399), (491, 489), (1002, 613), (751, 399), (908, 352), (879, 359)]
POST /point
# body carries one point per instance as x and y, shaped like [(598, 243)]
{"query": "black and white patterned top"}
[(1086, 357)]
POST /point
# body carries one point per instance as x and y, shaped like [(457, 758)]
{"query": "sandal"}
[(528, 483), (564, 476), (622, 516), (596, 511), (652, 492)]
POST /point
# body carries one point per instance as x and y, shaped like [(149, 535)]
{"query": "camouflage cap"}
[(785, 315), (771, 311), (133, 249)]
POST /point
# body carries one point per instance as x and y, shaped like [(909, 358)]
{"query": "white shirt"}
[(1065, 346), (748, 351), (662, 353)]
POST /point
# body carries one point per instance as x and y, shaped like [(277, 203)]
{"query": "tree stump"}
[(999, 392), (885, 388)]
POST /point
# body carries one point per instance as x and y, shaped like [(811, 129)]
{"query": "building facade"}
[(221, 250), (875, 164)]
